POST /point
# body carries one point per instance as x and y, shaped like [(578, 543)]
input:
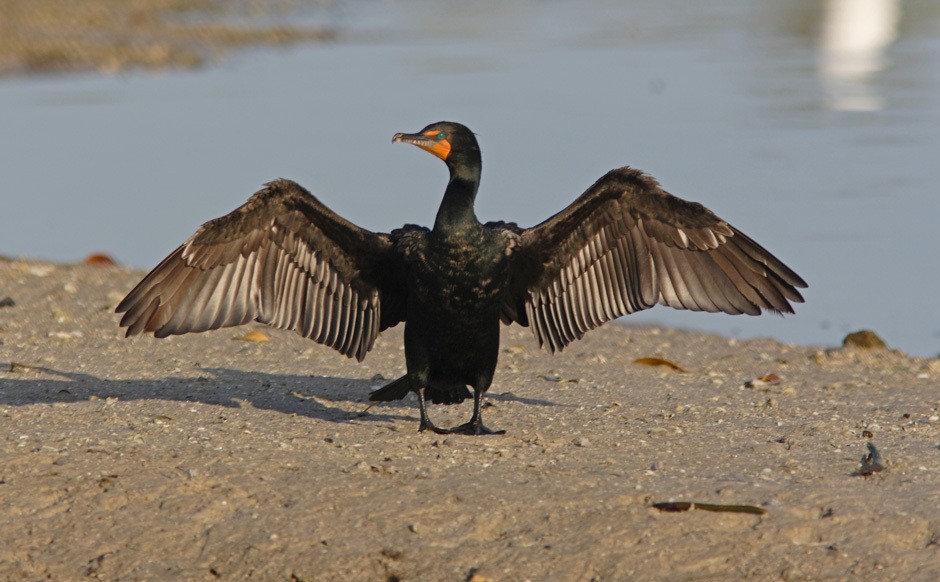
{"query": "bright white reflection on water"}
[(854, 40), (745, 106)]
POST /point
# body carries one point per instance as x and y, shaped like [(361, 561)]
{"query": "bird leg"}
[(475, 426), (426, 423)]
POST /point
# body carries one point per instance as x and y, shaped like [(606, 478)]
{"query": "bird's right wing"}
[(626, 245), (282, 258)]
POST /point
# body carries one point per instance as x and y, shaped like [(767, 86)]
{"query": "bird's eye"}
[(440, 135)]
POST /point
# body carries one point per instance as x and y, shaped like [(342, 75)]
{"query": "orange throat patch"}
[(439, 148)]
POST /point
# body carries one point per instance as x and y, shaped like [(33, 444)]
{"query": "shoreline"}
[(111, 36)]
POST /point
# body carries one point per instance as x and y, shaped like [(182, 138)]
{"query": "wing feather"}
[(626, 245), (282, 258)]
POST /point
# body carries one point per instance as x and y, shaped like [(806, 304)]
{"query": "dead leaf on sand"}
[(659, 362), (255, 336), (677, 506), (100, 260)]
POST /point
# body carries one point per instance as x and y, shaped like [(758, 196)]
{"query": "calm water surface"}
[(812, 126)]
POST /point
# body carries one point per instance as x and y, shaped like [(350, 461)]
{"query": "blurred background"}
[(811, 125)]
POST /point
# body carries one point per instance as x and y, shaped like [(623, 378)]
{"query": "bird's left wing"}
[(282, 258), (626, 245)]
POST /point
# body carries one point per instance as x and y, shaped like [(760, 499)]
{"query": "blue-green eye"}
[(440, 135)]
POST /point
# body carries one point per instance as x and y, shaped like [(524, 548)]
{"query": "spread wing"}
[(626, 245), (282, 258)]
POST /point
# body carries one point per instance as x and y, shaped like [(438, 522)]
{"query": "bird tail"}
[(438, 394), (393, 391)]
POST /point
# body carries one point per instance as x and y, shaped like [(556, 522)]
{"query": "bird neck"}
[(456, 211)]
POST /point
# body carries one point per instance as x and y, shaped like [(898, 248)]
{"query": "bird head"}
[(452, 142)]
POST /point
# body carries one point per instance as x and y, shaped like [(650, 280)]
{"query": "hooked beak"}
[(427, 142)]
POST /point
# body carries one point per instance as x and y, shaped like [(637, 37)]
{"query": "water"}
[(818, 140)]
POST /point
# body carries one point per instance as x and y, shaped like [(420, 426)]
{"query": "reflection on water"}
[(721, 101), (854, 37)]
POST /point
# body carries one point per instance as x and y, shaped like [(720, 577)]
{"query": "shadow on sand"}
[(310, 396)]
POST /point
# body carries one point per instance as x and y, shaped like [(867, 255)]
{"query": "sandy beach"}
[(206, 458)]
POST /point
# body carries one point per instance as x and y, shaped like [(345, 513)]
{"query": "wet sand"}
[(204, 458)]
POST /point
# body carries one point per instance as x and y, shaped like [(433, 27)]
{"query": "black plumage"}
[(285, 259)]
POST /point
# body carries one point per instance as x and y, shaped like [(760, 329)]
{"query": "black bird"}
[(285, 259)]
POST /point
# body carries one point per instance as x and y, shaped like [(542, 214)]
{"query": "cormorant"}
[(285, 259)]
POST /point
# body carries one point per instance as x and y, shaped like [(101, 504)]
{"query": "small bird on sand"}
[(285, 259)]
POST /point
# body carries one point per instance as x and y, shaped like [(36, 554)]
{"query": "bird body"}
[(453, 274), (285, 259)]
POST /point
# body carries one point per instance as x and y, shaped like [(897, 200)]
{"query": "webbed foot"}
[(428, 425), (472, 428)]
